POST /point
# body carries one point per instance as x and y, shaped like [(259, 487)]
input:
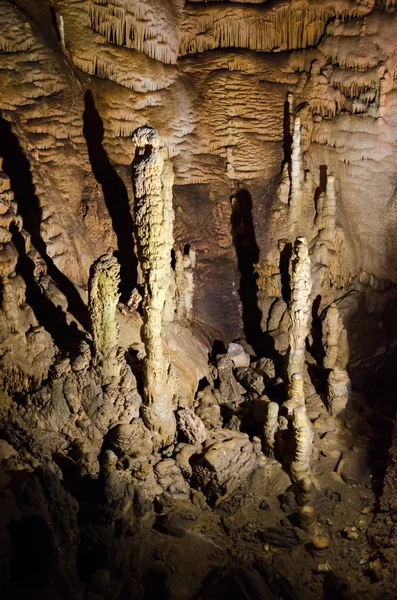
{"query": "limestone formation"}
[(270, 428), (307, 519), (334, 340), (290, 108), (132, 439), (326, 211), (303, 436), (184, 281), (238, 356), (227, 458), (154, 219), (103, 299), (338, 392), (296, 395), (191, 426), (295, 202), (27, 348), (300, 305)]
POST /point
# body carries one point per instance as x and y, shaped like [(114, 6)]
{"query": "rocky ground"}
[(207, 517)]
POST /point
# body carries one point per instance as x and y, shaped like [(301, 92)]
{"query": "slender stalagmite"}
[(103, 296), (270, 428), (326, 211), (296, 187), (303, 435), (300, 306), (154, 215)]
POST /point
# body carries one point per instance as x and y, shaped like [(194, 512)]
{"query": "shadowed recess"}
[(247, 250), (17, 167), (115, 195)]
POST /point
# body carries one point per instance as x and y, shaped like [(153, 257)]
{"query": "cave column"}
[(154, 216)]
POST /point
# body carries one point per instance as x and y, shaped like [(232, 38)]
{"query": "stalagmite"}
[(184, 281), (295, 389), (296, 173), (300, 306), (303, 435), (61, 28), (326, 211), (270, 428), (296, 395), (103, 296), (154, 215), (307, 519), (338, 392), (332, 327)]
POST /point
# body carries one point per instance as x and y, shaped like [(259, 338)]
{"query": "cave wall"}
[(77, 78)]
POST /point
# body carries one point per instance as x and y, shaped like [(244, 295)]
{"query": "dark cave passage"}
[(115, 195), (247, 250)]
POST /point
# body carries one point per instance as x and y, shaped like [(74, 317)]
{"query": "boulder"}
[(170, 478), (131, 439), (228, 458), (251, 380), (191, 426), (239, 357)]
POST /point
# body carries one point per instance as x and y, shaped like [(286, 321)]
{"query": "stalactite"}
[(208, 27), (154, 215), (300, 305), (135, 29)]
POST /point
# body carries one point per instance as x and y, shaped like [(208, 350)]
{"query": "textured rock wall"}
[(213, 78)]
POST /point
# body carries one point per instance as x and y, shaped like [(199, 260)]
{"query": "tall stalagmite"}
[(296, 170), (103, 298), (300, 306), (154, 216)]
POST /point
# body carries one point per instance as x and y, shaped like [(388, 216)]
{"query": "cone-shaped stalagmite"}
[(103, 296), (152, 180)]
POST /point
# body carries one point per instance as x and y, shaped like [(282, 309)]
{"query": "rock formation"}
[(270, 428), (198, 350), (301, 285), (103, 296), (154, 217)]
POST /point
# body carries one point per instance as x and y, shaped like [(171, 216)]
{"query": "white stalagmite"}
[(103, 296), (154, 216), (303, 435), (296, 172), (270, 428), (300, 305), (61, 28)]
